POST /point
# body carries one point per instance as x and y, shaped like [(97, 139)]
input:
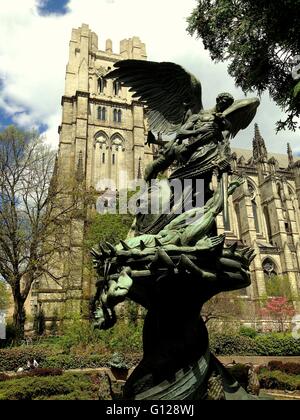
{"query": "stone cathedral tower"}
[(102, 140)]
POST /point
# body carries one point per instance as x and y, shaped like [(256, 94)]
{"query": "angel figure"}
[(173, 101)]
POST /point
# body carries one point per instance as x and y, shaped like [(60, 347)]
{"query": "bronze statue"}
[(176, 263)]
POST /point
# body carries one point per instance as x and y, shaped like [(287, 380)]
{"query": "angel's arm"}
[(188, 129)]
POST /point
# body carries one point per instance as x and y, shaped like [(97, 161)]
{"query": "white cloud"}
[(34, 53)]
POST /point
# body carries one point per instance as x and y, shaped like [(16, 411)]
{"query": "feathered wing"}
[(166, 89), (241, 114)]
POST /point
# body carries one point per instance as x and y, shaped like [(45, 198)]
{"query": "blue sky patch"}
[(7, 119), (52, 7)]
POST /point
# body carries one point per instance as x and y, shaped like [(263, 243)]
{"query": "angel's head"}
[(224, 101)]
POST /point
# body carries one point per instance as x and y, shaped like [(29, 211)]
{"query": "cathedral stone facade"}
[(102, 140), (101, 145), (264, 213)]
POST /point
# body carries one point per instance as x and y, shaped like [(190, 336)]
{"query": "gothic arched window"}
[(115, 115), (101, 139), (268, 224), (276, 285), (119, 116), (255, 215), (101, 84), (252, 193), (116, 87), (270, 272)]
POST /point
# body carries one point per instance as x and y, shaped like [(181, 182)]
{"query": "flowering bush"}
[(279, 309)]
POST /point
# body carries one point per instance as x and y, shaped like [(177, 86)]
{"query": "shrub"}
[(248, 332), (277, 345), (226, 345), (279, 380), (30, 388), (123, 338), (12, 359), (289, 368), (263, 345), (77, 332), (68, 386)]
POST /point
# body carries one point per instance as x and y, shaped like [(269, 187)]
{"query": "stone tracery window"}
[(269, 268), (252, 193), (119, 116), (102, 83), (271, 277), (102, 140), (117, 143), (116, 87)]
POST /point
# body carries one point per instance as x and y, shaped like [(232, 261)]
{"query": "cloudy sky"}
[(34, 39)]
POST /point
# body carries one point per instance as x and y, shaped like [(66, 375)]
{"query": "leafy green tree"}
[(107, 227), (278, 286), (4, 296), (261, 40)]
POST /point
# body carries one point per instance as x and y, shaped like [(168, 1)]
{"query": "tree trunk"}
[(19, 318)]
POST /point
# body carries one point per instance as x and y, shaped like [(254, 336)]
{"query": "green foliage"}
[(248, 332), (4, 296), (226, 345), (77, 332), (289, 368), (71, 386), (54, 327), (278, 286), (259, 39), (276, 345), (279, 380), (12, 359), (123, 338), (134, 313), (79, 336), (80, 347), (107, 227), (263, 345)]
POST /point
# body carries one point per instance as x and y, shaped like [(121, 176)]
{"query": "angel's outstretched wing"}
[(241, 114), (166, 89)]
